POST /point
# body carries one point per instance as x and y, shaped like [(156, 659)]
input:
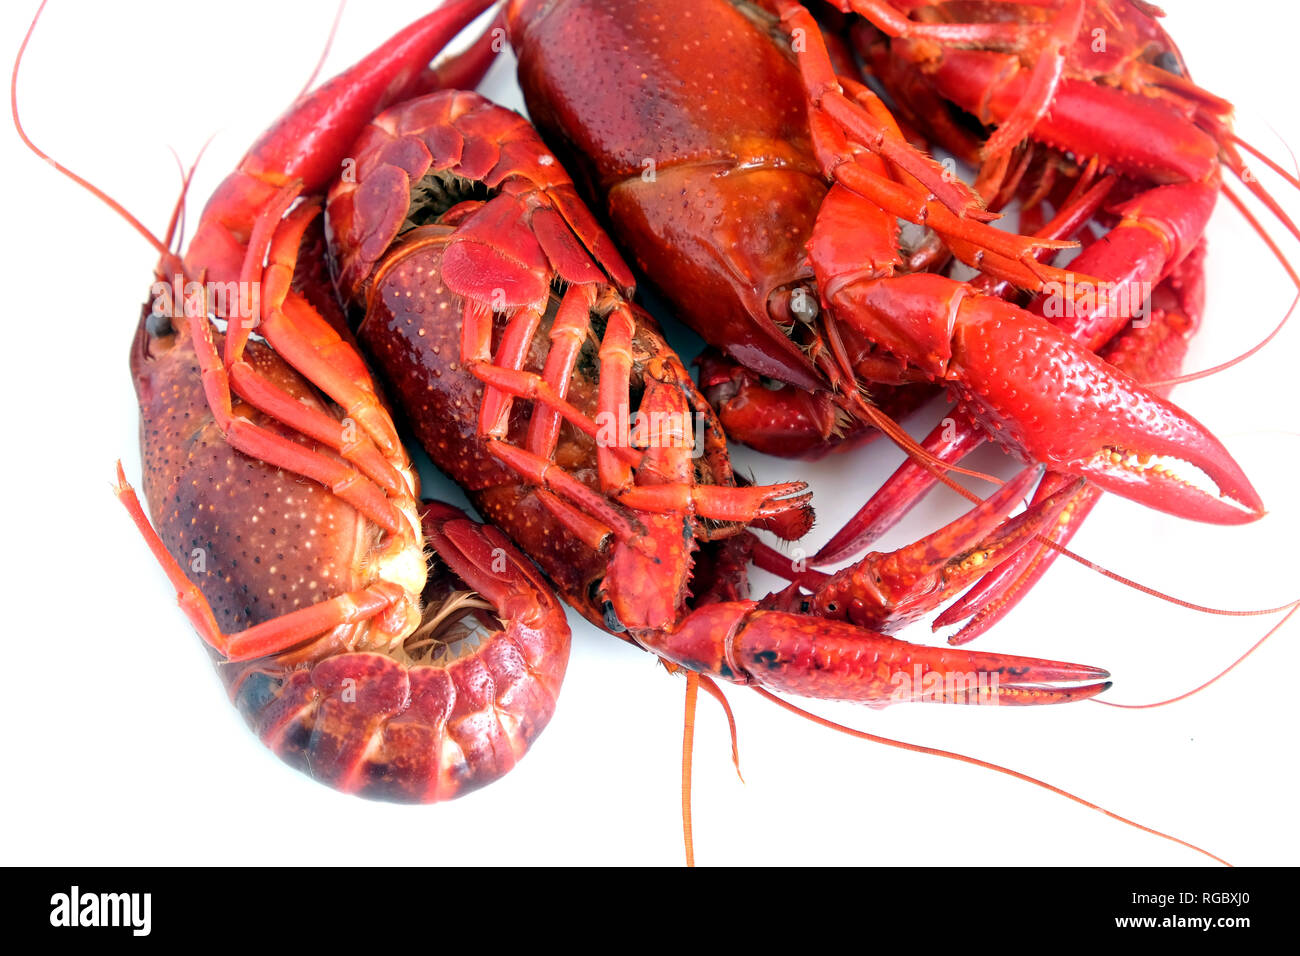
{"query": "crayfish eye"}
[(612, 623), (1169, 63), (803, 305), (611, 619), (791, 304), (158, 325)]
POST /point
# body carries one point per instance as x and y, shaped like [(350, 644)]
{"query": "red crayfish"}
[(287, 507), (540, 423)]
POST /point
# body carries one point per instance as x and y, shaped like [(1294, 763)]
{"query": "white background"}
[(122, 748)]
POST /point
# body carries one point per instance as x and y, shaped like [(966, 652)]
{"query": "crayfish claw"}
[(812, 657)]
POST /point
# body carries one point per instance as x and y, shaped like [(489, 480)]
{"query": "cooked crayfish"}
[(629, 736), (346, 655)]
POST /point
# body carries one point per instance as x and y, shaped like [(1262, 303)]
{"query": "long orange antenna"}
[(175, 235), (975, 761), (1291, 273), (1154, 592), (1252, 183), (81, 181), (715, 692), (1267, 161), (688, 751), (1196, 690), (325, 51), (938, 468)]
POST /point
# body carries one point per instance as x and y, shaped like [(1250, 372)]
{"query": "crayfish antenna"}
[(1291, 274), (688, 755), (1294, 606), (1267, 160), (1252, 183), (839, 369), (932, 463), (1239, 168), (159, 245), (695, 680), (325, 51), (714, 691), (977, 762), (175, 235)]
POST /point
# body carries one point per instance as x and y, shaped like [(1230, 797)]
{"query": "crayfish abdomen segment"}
[(431, 721)]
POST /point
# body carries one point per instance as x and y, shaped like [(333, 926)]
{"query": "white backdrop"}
[(123, 749)]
